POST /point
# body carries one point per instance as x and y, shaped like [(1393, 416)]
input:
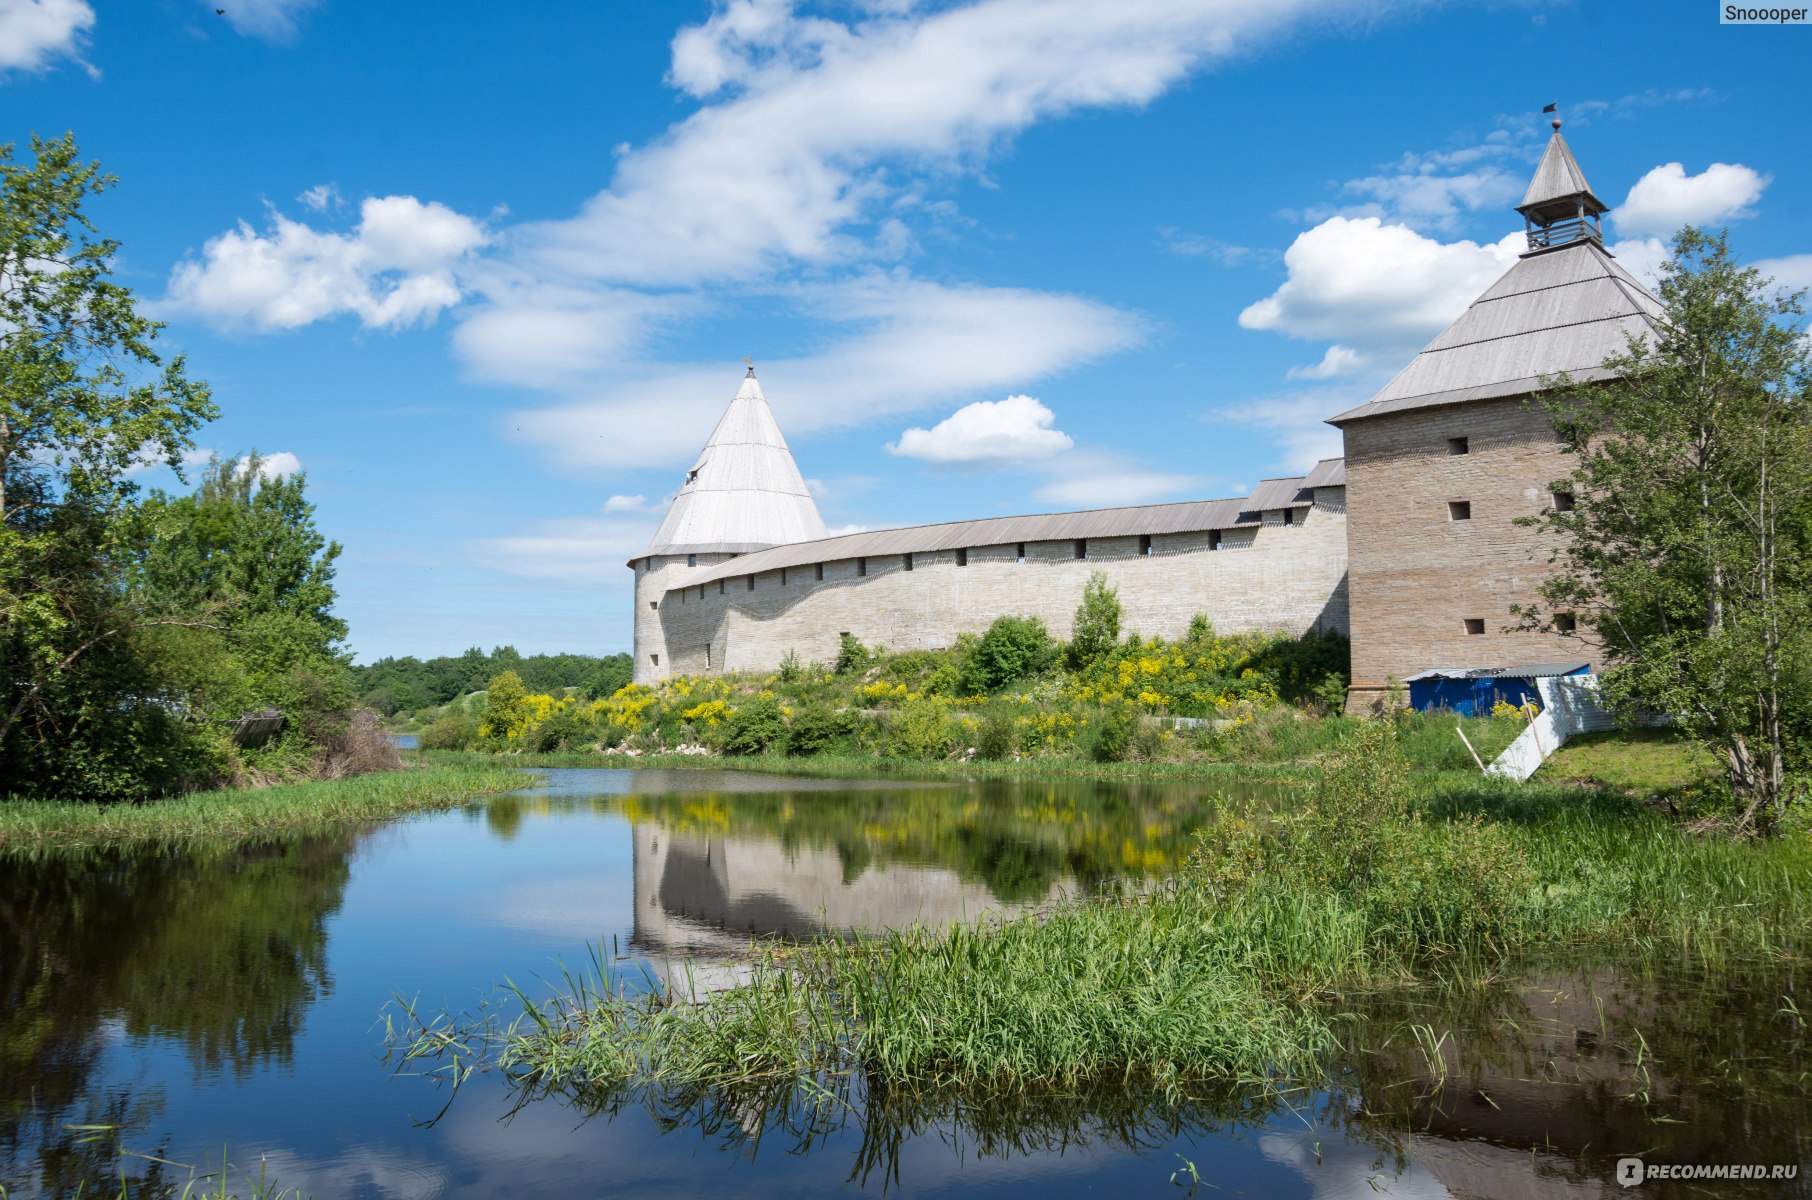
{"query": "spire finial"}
[(751, 362), (1555, 109)]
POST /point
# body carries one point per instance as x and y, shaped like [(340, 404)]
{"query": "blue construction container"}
[(1472, 691)]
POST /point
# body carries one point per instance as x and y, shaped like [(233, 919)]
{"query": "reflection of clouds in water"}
[(362, 1171), (1345, 1170), (565, 907)]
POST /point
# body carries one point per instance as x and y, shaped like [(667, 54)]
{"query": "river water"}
[(175, 1002)]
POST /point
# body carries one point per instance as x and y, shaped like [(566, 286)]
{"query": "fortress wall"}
[(1417, 574), (1279, 577)]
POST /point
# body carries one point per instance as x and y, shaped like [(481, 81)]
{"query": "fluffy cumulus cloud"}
[(619, 504), (1667, 198), (33, 33), (277, 465), (396, 268), (1375, 288), (1792, 272), (1015, 430), (271, 20)]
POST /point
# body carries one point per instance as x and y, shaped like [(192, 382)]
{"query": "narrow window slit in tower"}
[(1565, 623), (1459, 510), (1459, 445), (962, 558), (1144, 543), (1475, 626), (1021, 551), (1081, 547), (906, 559), (818, 572), (861, 566), (1563, 501)]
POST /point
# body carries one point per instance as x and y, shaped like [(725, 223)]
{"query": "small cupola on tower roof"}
[(1559, 207), (744, 492)]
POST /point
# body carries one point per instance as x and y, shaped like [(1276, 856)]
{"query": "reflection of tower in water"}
[(702, 896)]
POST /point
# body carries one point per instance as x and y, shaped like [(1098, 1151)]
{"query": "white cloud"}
[(1015, 430), (271, 20), (913, 344), (33, 32), (618, 504), (270, 466), (1792, 272), (570, 551), (396, 268), (322, 197), (1378, 289), (1297, 421), (787, 164), (1642, 258), (1667, 198), (1184, 244), (1339, 360), (840, 530), (1422, 198), (1104, 480)]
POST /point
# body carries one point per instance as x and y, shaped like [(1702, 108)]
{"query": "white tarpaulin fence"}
[(1569, 705)]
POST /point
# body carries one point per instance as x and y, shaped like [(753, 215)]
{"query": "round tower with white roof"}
[(743, 493)]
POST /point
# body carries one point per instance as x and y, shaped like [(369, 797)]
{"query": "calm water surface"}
[(205, 996)]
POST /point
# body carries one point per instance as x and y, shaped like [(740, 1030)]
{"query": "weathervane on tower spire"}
[(751, 362), (1555, 109)]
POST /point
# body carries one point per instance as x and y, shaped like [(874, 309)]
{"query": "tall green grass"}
[(1239, 970), (249, 812)]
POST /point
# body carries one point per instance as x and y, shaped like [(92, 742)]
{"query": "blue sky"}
[(487, 272)]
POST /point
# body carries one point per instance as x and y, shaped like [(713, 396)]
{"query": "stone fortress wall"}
[(1273, 575)]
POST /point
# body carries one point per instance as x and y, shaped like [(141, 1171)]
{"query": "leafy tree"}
[(609, 677), (756, 727), (505, 708), (1096, 628), (1686, 552), (1012, 649), (84, 400), (241, 555)]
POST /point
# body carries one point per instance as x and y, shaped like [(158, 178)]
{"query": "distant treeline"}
[(409, 684)]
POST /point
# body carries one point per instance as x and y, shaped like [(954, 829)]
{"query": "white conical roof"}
[(744, 492)]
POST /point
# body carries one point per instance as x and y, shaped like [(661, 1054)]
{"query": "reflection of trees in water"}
[(219, 949), (1688, 1063), (1018, 838)]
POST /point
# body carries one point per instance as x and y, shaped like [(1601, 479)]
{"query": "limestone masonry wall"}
[(1283, 577), (1417, 574)]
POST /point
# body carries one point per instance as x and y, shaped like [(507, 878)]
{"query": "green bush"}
[(570, 728), (1012, 649), (818, 728), (756, 727), (997, 733), (1115, 731), (852, 655), (455, 731), (1096, 628), (921, 729)]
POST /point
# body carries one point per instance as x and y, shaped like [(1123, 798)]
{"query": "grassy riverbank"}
[(1240, 970), (246, 812)]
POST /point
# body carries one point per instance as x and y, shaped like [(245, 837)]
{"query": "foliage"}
[(507, 710), (410, 685), (818, 728), (1096, 628), (756, 727), (1012, 649), (454, 731), (921, 729), (1686, 554), (852, 655), (1114, 732), (84, 400)]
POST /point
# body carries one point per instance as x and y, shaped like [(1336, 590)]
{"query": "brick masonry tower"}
[(1441, 462)]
